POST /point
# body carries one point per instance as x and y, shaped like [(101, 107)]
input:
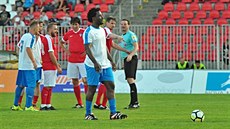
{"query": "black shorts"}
[(130, 67)]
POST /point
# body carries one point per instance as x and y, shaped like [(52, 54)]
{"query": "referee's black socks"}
[(133, 93)]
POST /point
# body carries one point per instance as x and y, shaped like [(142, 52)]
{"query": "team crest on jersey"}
[(134, 37)]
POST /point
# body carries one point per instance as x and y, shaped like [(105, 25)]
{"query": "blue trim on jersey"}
[(96, 77), (87, 35), (26, 78), (32, 41), (38, 74)]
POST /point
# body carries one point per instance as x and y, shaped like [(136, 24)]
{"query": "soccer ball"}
[(197, 116)]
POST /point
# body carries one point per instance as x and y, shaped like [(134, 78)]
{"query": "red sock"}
[(99, 94), (105, 99), (77, 92), (48, 100), (86, 88), (20, 100), (44, 95), (35, 100)]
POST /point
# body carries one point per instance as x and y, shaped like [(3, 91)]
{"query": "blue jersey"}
[(129, 38)]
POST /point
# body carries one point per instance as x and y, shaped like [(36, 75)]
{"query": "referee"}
[(130, 43)]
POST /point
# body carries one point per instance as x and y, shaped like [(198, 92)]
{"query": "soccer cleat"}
[(90, 117), (103, 107), (117, 115), (51, 108), (96, 106), (31, 108), (16, 108), (78, 106), (133, 106), (43, 108)]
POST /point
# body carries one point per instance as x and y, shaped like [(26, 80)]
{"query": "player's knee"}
[(75, 82), (130, 80)]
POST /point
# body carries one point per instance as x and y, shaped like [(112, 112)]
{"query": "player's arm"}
[(114, 36), (62, 44), (91, 57), (111, 60), (116, 46), (31, 56), (136, 48)]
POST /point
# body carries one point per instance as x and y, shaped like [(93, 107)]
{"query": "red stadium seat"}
[(84, 15), (222, 21), (175, 14), (90, 6), (194, 7), (71, 13), (226, 14), (104, 8), (173, 56), (163, 14), (36, 15), (145, 39), (97, 2), (49, 14), (183, 21), (212, 56), (159, 56), (25, 13), (147, 55), (79, 8), (219, 6), (201, 14), (181, 7), (188, 14), (191, 30), (170, 21), (225, 1), (207, 6), (169, 7), (199, 56), (157, 22), (60, 14), (109, 1), (214, 1), (187, 1), (214, 14), (209, 21), (152, 30)]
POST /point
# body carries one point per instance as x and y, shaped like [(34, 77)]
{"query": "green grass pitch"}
[(157, 111)]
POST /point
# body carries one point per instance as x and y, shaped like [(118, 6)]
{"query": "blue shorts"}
[(38, 74), (26, 78), (94, 77)]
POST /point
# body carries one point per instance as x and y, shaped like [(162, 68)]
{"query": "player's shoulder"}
[(131, 33)]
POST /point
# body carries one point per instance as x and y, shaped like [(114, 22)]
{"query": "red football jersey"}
[(76, 45), (109, 41), (48, 46)]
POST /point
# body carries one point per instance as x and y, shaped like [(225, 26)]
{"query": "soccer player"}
[(76, 59), (50, 67), (110, 24), (98, 65), (37, 56), (130, 61), (27, 68)]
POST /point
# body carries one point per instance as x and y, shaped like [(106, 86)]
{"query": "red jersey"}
[(48, 46), (109, 41), (76, 45)]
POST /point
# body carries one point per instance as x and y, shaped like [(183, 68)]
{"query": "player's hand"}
[(97, 67), (59, 69), (128, 52), (83, 54), (120, 39), (67, 52), (35, 65), (114, 66), (129, 58)]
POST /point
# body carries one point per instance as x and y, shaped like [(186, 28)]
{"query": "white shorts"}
[(74, 69), (50, 77)]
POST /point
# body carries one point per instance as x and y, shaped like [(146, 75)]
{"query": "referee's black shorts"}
[(130, 67)]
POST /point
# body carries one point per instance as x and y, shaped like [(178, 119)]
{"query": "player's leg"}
[(73, 72), (99, 95), (104, 100), (82, 71), (93, 81), (31, 84), (130, 73), (21, 97), (37, 88), (108, 81), (52, 75)]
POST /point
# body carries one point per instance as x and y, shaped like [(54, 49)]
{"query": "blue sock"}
[(18, 92), (29, 96), (88, 107), (112, 105)]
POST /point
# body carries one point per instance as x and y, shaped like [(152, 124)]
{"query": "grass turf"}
[(158, 111)]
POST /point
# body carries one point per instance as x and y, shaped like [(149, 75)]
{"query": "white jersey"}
[(27, 41), (37, 52), (97, 40)]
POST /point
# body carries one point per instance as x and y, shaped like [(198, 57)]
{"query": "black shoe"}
[(51, 108), (90, 117), (96, 106), (43, 108), (34, 105), (103, 107), (117, 115), (78, 106), (133, 106)]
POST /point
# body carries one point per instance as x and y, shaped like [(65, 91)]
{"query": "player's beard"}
[(53, 34)]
